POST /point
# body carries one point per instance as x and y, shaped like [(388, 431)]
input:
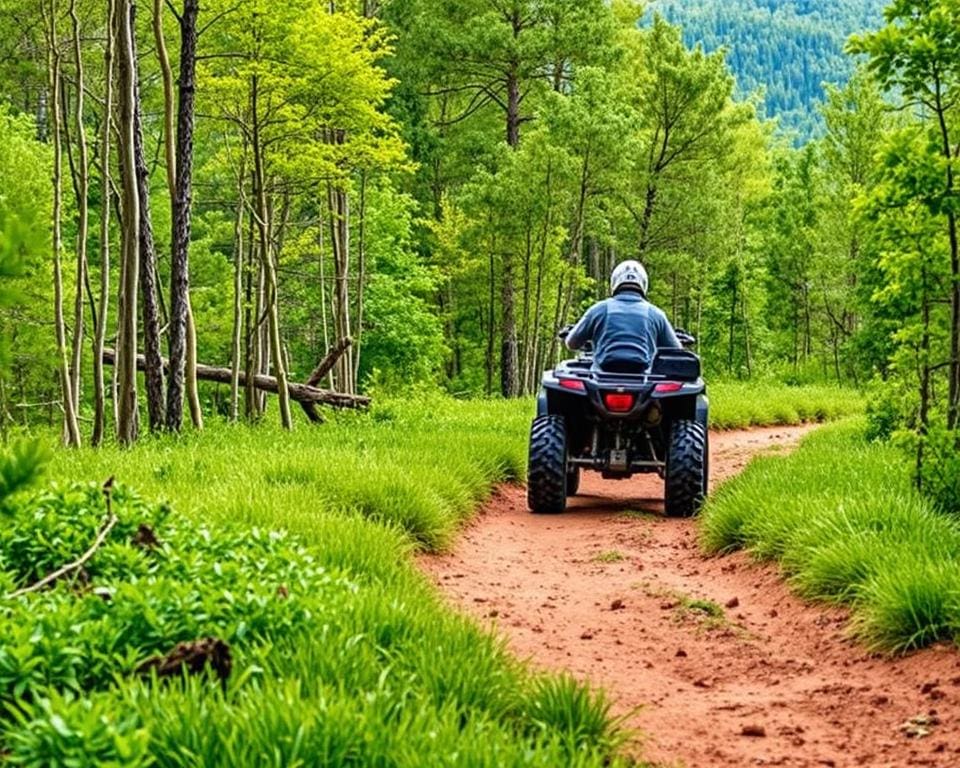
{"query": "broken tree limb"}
[(330, 359), (302, 393), (323, 368)]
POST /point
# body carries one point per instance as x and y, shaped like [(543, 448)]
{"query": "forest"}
[(786, 50), (445, 185), (293, 272)]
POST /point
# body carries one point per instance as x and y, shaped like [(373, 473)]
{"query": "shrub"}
[(940, 470)]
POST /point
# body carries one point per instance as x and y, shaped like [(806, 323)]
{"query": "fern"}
[(19, 467)]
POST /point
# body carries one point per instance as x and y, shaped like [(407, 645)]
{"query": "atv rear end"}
[(620, 424)]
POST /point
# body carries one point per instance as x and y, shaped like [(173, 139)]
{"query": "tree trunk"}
[(269, 270), (361, 279), (190, 374), (71, 429), (238, 261), (166, 74), (524, 342), (153, 373), (251, 333), (491, 323), (513, 109), (509, 381), (647, 218), (128, 412), (733, 321), (83, 209), (100, 333), (323, 294), (180, 252), (924, 416), (338, 205)]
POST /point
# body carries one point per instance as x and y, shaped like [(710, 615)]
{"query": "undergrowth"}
[(341, 653), (842, 518)]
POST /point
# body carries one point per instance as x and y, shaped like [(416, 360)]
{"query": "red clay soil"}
[(607, 590)]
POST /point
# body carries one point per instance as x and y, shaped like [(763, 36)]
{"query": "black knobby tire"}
[(573, 480), (686, 468), (706, 462), (547, 468)]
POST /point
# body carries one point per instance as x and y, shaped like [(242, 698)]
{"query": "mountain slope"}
[(789, 48)]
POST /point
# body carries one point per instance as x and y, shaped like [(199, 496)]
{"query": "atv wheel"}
[(573, 481), (706, 463), (547, 469), (686, 469)]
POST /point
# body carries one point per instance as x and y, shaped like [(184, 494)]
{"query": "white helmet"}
[(629, 274)]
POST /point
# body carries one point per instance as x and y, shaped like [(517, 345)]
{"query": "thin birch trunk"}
[(361, 279), (128, 413), (269, 270), (238, 259), (100, 334), (71, 429), (83, 207)]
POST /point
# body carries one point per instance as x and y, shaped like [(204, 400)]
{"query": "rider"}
[(626, 329)]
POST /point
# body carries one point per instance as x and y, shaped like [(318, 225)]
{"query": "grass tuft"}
[(735, 405), (847, 527)]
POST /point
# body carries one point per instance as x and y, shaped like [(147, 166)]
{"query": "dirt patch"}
[(726, 667)]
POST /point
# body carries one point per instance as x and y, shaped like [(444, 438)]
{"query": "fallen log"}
[(301, 393)]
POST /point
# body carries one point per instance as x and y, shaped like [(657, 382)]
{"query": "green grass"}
[(847, 527), (613, 556), (378, 671), (735, 405), (383, 673), (420, 468)]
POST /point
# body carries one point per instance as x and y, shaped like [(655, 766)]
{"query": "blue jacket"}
[(624, 329)]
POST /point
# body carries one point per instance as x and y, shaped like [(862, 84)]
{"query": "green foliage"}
[(24, 222), (403, 339), (19, 467), (842, 518), (939, 473), (785, 50), (138, 600), (735, 405), (334, 635)]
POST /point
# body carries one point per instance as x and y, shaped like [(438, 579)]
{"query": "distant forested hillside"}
[(787, 47)]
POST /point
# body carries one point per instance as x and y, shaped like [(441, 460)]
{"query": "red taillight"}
[(574, 385), (618, 402), (669, 386)]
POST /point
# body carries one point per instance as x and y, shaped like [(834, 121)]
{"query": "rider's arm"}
[(584, 330), (666, 336)]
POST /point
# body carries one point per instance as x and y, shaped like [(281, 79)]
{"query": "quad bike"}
[(620, 424)]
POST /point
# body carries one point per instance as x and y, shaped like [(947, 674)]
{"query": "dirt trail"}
[(606, 591)]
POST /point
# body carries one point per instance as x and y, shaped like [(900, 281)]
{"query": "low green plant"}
[(613, 556), (20, 466), (707, 608), (844, 520)]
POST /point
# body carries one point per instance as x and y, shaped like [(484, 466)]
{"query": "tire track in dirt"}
[(608, 590)]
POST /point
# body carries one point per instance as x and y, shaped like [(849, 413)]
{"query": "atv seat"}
[(635, 367)]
